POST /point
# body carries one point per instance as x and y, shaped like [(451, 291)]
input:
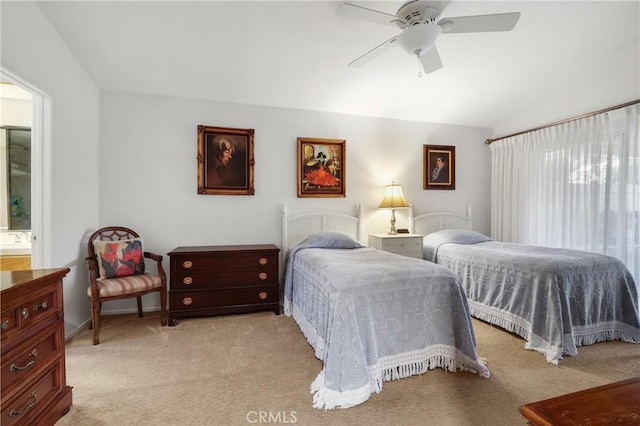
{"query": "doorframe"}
[(41, 172)]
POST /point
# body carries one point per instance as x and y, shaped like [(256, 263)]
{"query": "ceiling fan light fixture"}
[(419, 38), (446, 25)]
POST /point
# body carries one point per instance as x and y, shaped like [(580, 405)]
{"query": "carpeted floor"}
[(257, 368)]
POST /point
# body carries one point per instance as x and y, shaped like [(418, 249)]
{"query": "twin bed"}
[(370, 315), (373, 316), (556, 299)]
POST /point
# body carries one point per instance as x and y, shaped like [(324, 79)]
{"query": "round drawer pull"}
[(262, 276), (263, 295), (187, 301), (263, 261), (187, 280), (187, 264)]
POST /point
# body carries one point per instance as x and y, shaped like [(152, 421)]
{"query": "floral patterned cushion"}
[(119, 258)]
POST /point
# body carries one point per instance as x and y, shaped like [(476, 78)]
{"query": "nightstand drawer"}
[(403, 244), (409, 245)]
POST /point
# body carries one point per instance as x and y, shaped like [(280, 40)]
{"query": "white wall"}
[(16, 112), (148, 170), (614, 80), (33, 52)]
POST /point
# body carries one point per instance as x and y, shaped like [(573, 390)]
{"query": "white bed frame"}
[(296, 227), (426, 223)]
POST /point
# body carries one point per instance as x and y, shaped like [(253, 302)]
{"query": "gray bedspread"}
[(373, 316), (556, 299)]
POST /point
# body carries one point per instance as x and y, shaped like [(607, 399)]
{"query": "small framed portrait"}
[(439, 167), (225, 161), (321, 167)]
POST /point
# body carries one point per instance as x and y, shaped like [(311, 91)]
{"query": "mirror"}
[(17, 144)]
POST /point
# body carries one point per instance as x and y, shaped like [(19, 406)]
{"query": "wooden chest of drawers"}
[(34, 389), (215, 280)]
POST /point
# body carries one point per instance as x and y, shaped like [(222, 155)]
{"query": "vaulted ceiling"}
[(294, 54)]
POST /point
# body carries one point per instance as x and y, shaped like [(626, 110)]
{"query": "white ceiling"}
[(294, 54)]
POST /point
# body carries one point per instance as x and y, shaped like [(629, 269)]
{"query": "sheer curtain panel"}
[(572, 185)]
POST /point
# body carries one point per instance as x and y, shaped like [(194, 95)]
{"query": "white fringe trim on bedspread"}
[(388, 368), (519, 326), (583, 336), (393, 368), (605, 332)]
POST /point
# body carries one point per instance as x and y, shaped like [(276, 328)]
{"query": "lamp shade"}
[(393, 197)]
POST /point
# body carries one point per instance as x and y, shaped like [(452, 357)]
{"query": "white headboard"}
[(296, 227), (427, 223)]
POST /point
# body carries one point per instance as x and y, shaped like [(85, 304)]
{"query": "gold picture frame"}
[(225, 161), (439, 167), (321, 168)]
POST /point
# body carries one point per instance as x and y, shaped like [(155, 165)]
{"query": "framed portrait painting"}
[(225, 161), (439, 167), (321, 167)]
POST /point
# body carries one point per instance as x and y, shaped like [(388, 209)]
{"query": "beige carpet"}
[(257, 368)]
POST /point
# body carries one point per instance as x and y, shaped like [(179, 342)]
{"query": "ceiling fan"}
[(417, 20)]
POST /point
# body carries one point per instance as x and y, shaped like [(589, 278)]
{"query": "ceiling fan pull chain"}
[(419, 66)]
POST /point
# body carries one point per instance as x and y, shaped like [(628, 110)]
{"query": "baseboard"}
[(69, 333)]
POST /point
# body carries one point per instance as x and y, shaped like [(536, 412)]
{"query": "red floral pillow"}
[(119, 258)]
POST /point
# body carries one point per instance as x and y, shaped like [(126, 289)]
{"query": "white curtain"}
[(572, 185)]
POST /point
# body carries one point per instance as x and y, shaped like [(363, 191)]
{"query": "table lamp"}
[(393, 199)]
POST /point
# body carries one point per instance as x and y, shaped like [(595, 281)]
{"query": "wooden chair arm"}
[(158, 259), (153, 256), (93, 272)]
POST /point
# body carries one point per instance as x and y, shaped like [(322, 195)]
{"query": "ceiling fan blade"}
[(480, 23), (374, 53), (365, 14), (431, 60)]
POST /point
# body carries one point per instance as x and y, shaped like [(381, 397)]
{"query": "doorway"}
[(25, 241)]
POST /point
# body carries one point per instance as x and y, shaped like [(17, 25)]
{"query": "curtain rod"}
[(490, 141)]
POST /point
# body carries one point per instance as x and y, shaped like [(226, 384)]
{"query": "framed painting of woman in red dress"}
[(321, 167)]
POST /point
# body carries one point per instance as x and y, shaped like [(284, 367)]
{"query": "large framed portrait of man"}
[(225, 161)]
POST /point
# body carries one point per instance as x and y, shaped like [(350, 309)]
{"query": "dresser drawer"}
[(199, 263), (224, 278), (27, 314), (33, 398), (190, 300), (30, 356), (9, 322)]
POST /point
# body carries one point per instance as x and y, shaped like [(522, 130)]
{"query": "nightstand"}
[(409, 245)]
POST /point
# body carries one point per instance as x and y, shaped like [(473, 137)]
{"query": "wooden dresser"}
[(34, 388), (214, 280)]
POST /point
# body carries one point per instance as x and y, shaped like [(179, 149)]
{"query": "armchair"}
[(117, 271)]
